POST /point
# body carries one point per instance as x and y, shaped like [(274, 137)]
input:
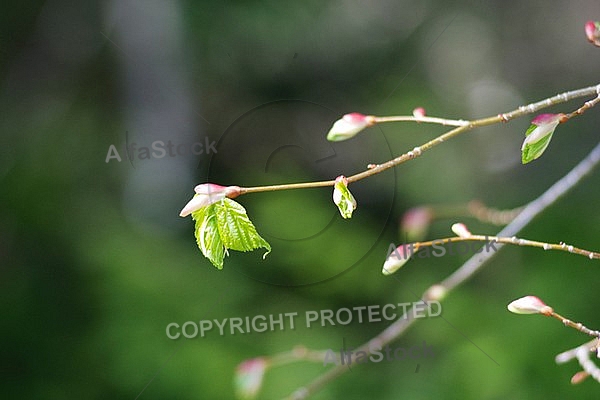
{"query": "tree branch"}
[(474, 264), (463, 126)]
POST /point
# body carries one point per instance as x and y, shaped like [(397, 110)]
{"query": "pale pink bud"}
[(529, 305), (419, 112), (579, 377), (348, 126), (249, 377), (461, 230), (207, 194), (397, 258), (415, 223), (592, 32)]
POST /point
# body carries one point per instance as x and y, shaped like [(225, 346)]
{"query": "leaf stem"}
[(288, 186)]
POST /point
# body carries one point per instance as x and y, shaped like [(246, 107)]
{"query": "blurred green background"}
[(95, 262)]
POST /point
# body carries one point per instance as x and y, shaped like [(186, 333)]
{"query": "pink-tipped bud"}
[(538, 135), (461, 230), (348, 126), (544, 124), (419, 112), (415, 223), (592, 32), (579, 377), (529, 305), (398, 257), (207, 194), (249, 377), (210, 189)]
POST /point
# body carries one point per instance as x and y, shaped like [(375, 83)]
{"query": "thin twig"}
[(582, 354), (416, 246), (492, 215), (473, 209), (575, 325), (431, 120), (299, 353), (463, 127)]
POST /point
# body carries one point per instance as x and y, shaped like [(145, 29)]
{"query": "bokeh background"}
[(95, 261)]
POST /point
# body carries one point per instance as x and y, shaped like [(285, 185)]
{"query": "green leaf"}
[(207, 235), (531, 128), (225, 225), (532, 151), (236, 229), (343, 199)]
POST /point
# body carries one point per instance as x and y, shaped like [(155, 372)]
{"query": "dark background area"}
[(95, 261)]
